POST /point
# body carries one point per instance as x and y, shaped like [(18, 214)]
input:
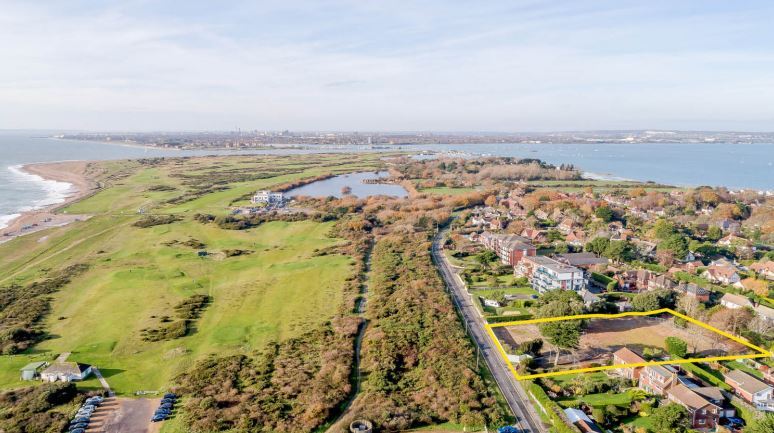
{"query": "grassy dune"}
[(137, 275)]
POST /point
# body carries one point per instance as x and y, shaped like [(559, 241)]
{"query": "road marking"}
[(761, 353)]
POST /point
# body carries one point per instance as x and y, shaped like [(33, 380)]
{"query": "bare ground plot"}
[(602, 337), (130, 416)]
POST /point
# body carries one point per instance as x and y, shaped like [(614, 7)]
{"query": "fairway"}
[(136, 276)]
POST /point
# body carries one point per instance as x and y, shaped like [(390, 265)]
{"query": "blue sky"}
[(387, 65)]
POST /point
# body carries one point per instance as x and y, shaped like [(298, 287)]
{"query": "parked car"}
[(78, 430), (170, 395), (81, 419), (157, 418)]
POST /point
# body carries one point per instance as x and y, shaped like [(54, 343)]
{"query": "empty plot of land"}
[(604, 336)]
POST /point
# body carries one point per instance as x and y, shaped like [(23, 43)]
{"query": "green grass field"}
[(445, 190), (136, 276)]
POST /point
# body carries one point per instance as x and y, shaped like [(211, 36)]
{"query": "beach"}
[(81, 184)]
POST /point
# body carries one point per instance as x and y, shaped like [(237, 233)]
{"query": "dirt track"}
[(131, 416)]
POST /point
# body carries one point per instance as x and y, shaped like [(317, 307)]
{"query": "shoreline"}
[(73, 173)]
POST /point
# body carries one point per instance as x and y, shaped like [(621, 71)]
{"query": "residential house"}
[(764, 269), (721, 275), (582, 260), (660, 282), (589, 298), (535, 235), (751, 390), (728, 225), (625, 356), (634, 281), (734, 301), (714, 395), (694, 291), (576, 237), (553, 275), (657, 379), (703, 413), (567, 226), (66, 371), (582, 421), (733, 240), (540, 214)]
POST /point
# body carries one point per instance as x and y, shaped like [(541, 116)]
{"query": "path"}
[(103, 382), (360, 310), (527, 419)]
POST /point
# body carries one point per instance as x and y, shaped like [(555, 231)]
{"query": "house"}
[(589, 298), (703, 413), (634, 281), (66, 371), (728, 225), (764, 269), (566, 226), (550, 275), (540, 214), (714, 395), (579, 419), (657, 379), (625, 356), (534, 235), (268, 197), (751, 390), (733, 240), (32, 370), (576, 237), (581, 260), (734, 301), (694, 291), (721, 275), (660, 282)]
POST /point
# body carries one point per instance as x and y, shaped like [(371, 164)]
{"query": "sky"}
[(393, 65)]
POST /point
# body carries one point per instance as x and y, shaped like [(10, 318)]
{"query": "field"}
[(137, 275), (604, 334)]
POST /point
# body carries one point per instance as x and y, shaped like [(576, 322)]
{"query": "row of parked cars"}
[(166, 407), (83, 417)]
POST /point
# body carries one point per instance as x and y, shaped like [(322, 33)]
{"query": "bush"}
[(155, 220)]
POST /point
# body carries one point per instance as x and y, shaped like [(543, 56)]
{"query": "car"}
[(157, 418), (170, 395), (169, 405), (168, 400), (78, 430), (83, 410), (88, 406), (80, 419), (94, 401), (84, 413), (82, 425)]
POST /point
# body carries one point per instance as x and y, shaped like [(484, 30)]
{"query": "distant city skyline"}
[(504, 66)]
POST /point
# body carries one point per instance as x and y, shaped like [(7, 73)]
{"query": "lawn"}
[(600, 400), (137, 275), (445, 190)]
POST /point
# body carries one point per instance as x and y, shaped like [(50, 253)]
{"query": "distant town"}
[(238, 139)]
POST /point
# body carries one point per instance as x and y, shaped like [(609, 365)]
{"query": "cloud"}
[(354, 65)]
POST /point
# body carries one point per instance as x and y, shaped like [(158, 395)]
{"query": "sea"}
[(716, 164)]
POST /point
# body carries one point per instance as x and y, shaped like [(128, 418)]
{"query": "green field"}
[(445, 190), (137, 275)]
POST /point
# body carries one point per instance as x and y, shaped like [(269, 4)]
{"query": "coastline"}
[(73, 173)]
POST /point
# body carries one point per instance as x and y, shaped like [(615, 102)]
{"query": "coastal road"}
[(527, 420)]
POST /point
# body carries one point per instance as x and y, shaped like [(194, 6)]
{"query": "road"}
[(527, 420)]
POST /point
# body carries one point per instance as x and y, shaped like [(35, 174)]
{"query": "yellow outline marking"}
[(489, 328)]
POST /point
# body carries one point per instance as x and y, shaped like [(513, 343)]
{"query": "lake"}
[(354, 181)]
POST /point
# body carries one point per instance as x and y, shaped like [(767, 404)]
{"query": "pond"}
[(335, 185)]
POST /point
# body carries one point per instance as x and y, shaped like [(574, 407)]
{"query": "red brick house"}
[(626, 356), (703, 413)]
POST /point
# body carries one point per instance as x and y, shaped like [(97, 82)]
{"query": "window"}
[(701, 421)]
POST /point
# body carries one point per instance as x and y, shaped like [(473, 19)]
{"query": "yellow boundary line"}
[(761, 353)]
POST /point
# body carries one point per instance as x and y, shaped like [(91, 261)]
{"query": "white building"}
[(553, 275), (66, 372), (268, 197)]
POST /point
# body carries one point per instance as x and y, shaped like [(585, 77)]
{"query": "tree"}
[(675, 243), (564, 334), (763, 424), (604, 213), (646, 301), (676, 347), (731, 320), (714, 233), (487, 257), (597, 245), (671, 418), (663, 229), (619, 251), (691, 307), (490, 201)]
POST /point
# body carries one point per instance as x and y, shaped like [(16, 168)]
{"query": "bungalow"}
[(764, 269), (582, 421), (589, 298), (66, 372), (657, 379), (734, 301), (626, 356), (703, 413), (721, 275), (752, 390)]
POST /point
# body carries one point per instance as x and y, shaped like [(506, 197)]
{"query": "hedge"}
[(511, 318), (555, 413)]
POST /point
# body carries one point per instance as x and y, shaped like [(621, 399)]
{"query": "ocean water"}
[(735, 166), (354, 181)]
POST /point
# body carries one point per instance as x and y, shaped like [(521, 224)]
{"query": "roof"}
[(764, 311), (66, 368), (688, 398), (575, 415), (589, 297), (582, 259), (721, 271), (34, 365), (745, 382), (740, 300), (661, 370), (627, 356), (763, 266), (709, 392)]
